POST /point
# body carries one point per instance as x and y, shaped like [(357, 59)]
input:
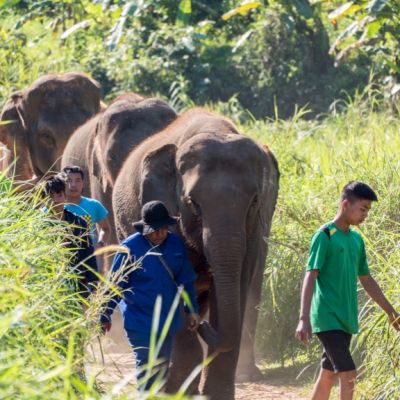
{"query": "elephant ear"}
[(270, 187), (13, 134), (158, 180), (98, 164)]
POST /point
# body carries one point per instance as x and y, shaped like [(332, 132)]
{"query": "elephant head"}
[(41, 119), (129, 120), (224, 186)]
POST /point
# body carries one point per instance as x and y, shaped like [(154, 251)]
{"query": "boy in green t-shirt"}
[(329, 295)]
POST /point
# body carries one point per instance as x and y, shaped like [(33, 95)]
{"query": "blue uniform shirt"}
[(142, 286)]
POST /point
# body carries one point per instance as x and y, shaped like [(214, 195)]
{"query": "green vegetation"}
[(273, 56), (42, 327), (268, 60), (316, 159)]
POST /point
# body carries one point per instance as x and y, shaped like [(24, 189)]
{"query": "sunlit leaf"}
[(116, 32), (376, 5), (242, 40), (184, 12), (8, 3), (81, 25), (373, 28), (395, 89), (242, 9), (345, 9)]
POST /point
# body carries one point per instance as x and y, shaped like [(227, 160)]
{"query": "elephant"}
[(101, 145), (40, 119), (224, 188)]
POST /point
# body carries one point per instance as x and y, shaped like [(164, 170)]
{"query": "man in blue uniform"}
[(163, 266)]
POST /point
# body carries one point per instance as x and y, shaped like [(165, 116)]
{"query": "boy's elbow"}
[(312, 274)]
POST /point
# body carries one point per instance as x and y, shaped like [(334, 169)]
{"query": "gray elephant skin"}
[(224, 187), (42, 118), (101, 146)]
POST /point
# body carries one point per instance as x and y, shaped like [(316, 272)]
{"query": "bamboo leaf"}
[(242, 9)]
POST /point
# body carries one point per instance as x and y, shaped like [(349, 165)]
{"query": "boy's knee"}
[(348, 376)]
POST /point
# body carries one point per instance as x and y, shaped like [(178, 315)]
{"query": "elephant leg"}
[(218, 379), (247, 369), (187, 354)]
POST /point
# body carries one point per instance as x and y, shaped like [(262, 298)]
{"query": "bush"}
[(316, 160)]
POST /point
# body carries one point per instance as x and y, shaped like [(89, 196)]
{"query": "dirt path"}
[(117, 373)]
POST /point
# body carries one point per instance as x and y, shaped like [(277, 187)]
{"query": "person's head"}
[(54, 188), (155, 222), (74, 177), (355, 202)]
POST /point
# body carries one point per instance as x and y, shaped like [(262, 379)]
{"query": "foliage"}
[(42, 327), (276, 54), (373, 26), (44, 330), (316, 159)]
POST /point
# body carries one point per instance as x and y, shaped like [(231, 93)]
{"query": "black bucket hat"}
[(154, 216)]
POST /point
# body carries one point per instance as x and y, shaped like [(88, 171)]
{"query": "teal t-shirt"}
[(91, 210), (340, 259)]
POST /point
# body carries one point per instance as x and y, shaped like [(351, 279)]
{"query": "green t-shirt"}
[(340, 259)]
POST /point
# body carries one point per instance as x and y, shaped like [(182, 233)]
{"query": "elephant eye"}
[(194, 207), (46, 139)]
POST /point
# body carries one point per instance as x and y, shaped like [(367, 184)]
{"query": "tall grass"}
[(316, 159), (43, 328)]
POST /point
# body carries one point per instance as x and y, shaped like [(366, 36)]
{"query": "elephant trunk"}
[(225, 254)]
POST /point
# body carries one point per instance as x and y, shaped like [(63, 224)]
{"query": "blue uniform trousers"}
[(140, 342)]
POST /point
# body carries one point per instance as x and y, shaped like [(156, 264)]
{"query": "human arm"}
[(192, 308), (104, 231), (114, 296), (187, 277), (374, 291), (303, 330), (316, 261)]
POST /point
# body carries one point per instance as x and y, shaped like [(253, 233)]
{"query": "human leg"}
[(347, 381), (337, 359), (324, 384), (140, 343)]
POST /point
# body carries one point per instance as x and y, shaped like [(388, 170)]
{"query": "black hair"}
[(55, 184), (356, 190), (73, 169)]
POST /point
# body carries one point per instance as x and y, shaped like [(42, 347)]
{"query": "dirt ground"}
[(112, 363)]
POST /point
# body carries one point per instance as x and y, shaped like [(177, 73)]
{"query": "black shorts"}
[(336, 356)]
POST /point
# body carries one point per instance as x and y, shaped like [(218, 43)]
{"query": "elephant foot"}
[(250, 373)]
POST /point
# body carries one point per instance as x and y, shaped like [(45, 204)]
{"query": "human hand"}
[(394, 319), (194, 322), (303, 331), (105, 327), (100, 244)]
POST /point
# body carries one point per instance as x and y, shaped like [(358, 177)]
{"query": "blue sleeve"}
[(122, 285), (186, 277), (101, 212), (186, 273)]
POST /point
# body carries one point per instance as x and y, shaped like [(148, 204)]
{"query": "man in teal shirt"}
[(329, 296), (91, 210)]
